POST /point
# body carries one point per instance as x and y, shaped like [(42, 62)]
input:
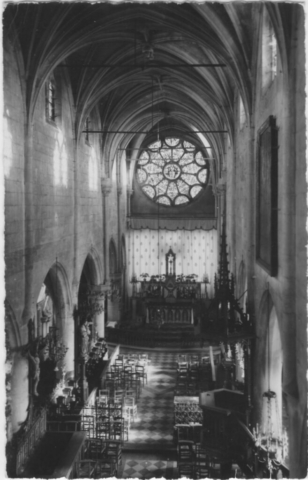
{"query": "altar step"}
[(168, 335)]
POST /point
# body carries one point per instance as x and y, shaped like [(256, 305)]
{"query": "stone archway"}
[(54, 309), (90, 276)]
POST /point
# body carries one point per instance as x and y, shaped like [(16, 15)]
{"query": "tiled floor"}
[(154, 424), (152, 432), (136, 465)]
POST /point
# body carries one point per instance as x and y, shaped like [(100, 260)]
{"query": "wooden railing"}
[(29, 441), (150, 339)]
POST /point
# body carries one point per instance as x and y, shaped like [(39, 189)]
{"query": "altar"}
[(169, 313), (170, 298)]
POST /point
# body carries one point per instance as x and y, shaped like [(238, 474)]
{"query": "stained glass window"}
[(172, 171)]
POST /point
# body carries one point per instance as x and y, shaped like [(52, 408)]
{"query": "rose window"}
[(172, 172)]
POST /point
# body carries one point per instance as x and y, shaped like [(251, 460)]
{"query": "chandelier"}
[(52, 343), (271, 440)]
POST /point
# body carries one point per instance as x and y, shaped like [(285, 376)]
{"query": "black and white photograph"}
[(154, 239)]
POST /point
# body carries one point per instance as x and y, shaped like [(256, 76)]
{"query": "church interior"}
[(154, 164)]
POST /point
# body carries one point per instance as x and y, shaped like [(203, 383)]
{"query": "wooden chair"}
[(182, 433), (113, 452), (186, 470), (202, 465), (182, 367), (111, 384), (141, 373), (88, 425), (119, 396), (95, 448), (129, 392), (194, 360), (130, 407), (104, 429), (120, 430), (205, 360), (102, 400), (106, 469), (135, 383), (133, 357), (115, 409), (86, 468), (185, 451)]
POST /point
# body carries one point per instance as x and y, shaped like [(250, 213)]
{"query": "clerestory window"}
[(50, 100), (172, 171), (269, 51)]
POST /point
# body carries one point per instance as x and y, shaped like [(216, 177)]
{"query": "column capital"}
[(106, 185), (129, 191), (120, 190), (97, 292)]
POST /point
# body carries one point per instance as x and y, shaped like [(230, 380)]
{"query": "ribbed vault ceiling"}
[(79, 38)]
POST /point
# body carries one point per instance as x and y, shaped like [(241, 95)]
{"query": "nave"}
[(154, 164)]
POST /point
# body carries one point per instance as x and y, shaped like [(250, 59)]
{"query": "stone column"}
[(19, 389), (29, 301), (106, 186), (69, 341), (97, 297), (129, 192)]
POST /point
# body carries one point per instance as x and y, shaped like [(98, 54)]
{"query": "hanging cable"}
[(152, 99), (268, 336), (158, 244)]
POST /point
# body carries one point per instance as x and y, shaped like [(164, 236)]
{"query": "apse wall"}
[(196, 252)]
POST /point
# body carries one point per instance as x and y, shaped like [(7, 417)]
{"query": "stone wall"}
[(286, 292), (57, 220)]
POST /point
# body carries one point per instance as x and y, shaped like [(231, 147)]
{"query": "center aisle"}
[(150, 450), (154, 424)]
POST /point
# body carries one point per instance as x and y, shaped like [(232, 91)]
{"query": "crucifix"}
[(170, 263)]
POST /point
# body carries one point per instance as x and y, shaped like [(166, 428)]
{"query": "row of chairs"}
[(122, 401), (105, 428), (95, 469), (192, 461), (193, 359), (134, 357), (127, 380), (187, 381), (98, 449)]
